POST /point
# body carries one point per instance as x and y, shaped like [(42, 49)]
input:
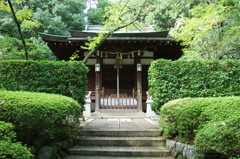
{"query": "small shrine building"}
[(118, 76)]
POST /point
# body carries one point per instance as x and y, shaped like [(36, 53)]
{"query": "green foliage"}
[(38, 16), (170, 80), (211, 123), (222, 136), (66, 78), (127, 12), (96, 15), (167, 12), (123, 15), (40, 118), (23, 13), (51, 14), (211, 32), (39, 51), (12, 48), (7, 131), (10, 149), (9, 48), (48, 15)]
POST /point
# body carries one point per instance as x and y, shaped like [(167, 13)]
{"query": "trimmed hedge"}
[(66, 78), (40, 118), (9, 148), (211, 123), (169, 80)]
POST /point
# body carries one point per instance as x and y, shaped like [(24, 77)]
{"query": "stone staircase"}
[(124, 144)]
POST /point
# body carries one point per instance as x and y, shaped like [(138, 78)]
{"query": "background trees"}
[(52, 16), (96, 16), (211, 31), (164, 16), (125, 14), (49, 16), (209, 28), (57, 16)]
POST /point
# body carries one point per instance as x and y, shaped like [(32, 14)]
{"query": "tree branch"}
[(124, 6), (92, 51), (19, 29), (105, 37)]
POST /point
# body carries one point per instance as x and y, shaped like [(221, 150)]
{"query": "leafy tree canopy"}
[(164, 16), (23, 14), (48, 16), (209, 28), (123, 14), (51, 16), (96, 15), (12, 48), (57, 16), (212, 31)]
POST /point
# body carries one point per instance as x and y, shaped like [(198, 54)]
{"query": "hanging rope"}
[(115, 53)]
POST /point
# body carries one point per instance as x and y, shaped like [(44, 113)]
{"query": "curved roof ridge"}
[(97, 28)]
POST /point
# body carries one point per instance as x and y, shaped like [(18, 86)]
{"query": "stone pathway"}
[(132, 124), (110, 157)]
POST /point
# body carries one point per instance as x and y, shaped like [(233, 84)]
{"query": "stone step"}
[(120, 133), (120, 141), (136, 151), (124, 113), (110, 157)]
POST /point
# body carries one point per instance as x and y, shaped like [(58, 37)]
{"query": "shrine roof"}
[(83, 35), (98, 28), (121, 41)]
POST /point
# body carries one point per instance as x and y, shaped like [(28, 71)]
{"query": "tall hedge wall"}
[(170, 80), (66, 78)]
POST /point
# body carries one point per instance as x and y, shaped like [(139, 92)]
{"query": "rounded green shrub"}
[(40, 118), (180, 118), (221, 136), (9, 148), (209, 123)]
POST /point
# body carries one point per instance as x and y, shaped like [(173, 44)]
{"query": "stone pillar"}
[(149, 111), (87, 107)]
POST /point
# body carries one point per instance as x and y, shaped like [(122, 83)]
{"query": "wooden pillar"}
[(81, 54), (139, 81), (98, 82), (155, 53)]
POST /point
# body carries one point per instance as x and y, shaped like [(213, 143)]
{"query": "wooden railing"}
[(110, 100), (122, 101)]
